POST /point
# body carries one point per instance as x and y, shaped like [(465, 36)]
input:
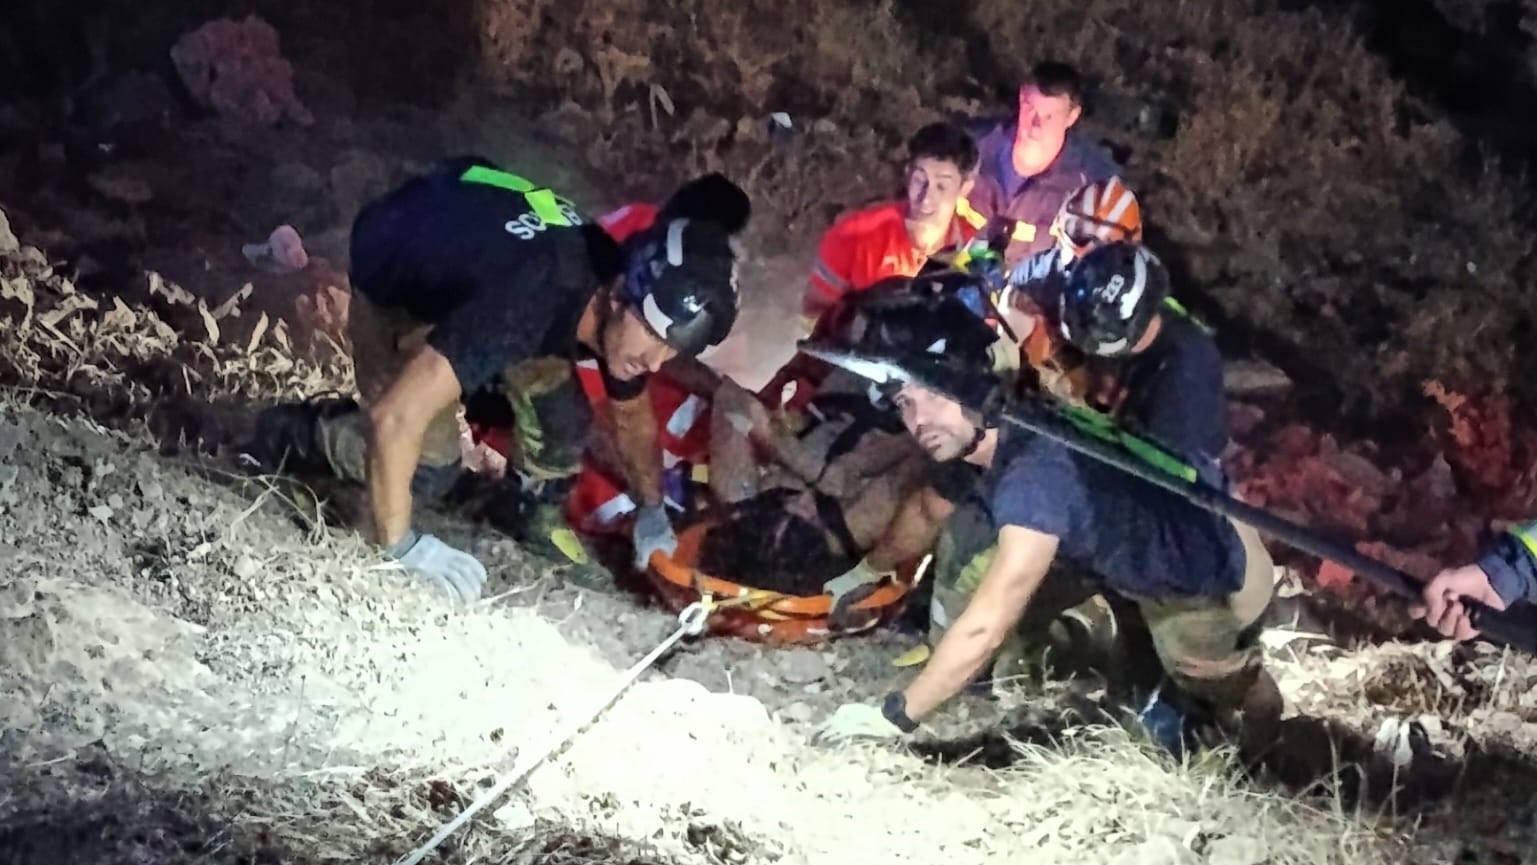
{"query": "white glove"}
[(855, 721), (859, 575), (652, 533), (449, 570)]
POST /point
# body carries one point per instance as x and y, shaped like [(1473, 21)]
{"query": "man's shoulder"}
[(992, 136), (1023, 454), (1193, 344), (868, 220), (1086, 161)]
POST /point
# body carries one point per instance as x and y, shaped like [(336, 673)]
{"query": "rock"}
[(282, 252), (1359, 472), (1252, 378), (515, 816), (8, 242), (236, 69), (34, 263), (245, 567), (1237, 850), (10, 440), (798, 712), (1243, 419), (803, 666), (1504, 722)]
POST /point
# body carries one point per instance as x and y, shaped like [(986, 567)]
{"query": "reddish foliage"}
[(237, 69), (1417, 525), (1475, 435)]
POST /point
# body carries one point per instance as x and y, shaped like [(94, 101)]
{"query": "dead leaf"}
[(209, 322), (173, 293), (231, 306), (119, 317), (256, 334)]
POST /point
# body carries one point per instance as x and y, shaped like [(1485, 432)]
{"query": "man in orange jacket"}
[(892, 239), (896, 238)]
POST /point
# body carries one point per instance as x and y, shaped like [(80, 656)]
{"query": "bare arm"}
[(913, 531), (637, 447), (1023, 557), (397, 422)]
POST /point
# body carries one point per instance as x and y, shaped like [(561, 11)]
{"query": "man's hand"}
[(1444, 608), (855, 721), (653, 532), (452, 571)]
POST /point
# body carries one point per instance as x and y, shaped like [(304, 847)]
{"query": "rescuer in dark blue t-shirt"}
[(1200, 583)]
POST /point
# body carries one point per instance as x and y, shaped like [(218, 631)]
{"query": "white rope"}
[(691, 622)]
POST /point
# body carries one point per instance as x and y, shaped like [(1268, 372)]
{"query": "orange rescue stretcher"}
[(766, 616), (598, 506)]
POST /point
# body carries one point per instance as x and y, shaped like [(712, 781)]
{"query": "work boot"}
[(1260, 724), (287, 436), (533, 514)]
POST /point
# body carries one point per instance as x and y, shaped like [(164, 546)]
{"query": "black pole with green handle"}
[(1094, 436)]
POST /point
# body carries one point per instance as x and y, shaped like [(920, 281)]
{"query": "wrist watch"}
[(894, 709)]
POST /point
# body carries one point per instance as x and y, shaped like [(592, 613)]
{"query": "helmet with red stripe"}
[(1097, 213)]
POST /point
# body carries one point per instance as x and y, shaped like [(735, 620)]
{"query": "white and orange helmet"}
[(1097, 213)]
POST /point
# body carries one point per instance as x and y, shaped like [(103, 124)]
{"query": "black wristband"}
[(404, 545), (894, 709)]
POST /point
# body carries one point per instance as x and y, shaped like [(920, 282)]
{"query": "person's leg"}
[(1210, 648), (383, 342), (551, 418)]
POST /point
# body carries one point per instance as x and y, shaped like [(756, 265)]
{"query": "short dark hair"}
[(1054, 78), (710, 198), (944, 141)]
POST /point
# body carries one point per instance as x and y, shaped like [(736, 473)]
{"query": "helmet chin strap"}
[(976, 441)]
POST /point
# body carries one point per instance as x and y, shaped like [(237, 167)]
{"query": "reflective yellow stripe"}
[(965, 211), (542, 200), (1527, 535), (1178, 308)]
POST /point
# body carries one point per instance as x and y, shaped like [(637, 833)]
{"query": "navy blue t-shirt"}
[(1175, 395), (498, 283), (1140, 539)]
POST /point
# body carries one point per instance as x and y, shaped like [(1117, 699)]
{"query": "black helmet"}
[(935, 340), (713, 198), (1111, 297), (681, 279)]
